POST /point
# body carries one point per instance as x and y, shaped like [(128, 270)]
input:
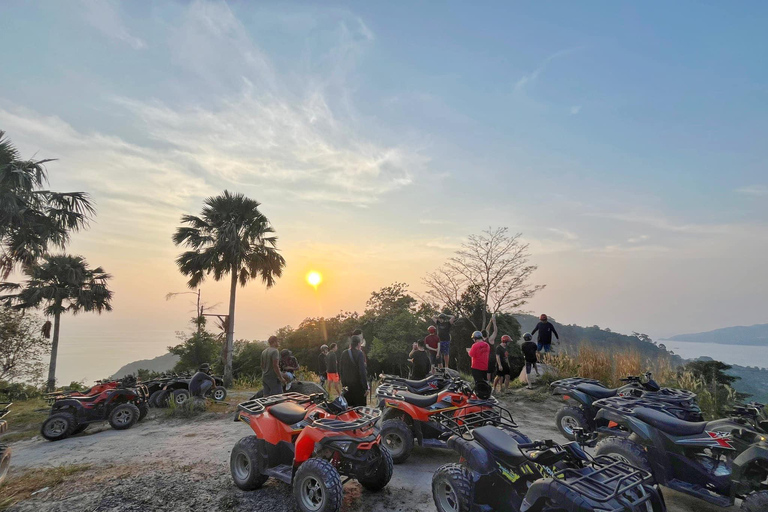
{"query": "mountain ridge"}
[(752, 335)]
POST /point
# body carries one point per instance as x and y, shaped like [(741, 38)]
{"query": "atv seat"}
[(596, 391), (288, 412), (500, 444), (669, 424), (418, 400)]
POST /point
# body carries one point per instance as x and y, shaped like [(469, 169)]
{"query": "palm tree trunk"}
[(228, 347), (54, 350)]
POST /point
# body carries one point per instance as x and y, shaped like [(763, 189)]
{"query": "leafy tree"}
[(306, 339), (22, 347), (195, 349), (60, 284), (246, 361), (711, 371), (231, 236), (32, 219)]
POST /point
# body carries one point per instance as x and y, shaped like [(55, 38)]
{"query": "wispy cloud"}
[(753, 190), (575, 110), (530, 78), (567, 235), (104, 16), (638, 239)]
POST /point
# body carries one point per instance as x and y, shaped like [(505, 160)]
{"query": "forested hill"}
[(754, 335), (575, 334), (162, 363)]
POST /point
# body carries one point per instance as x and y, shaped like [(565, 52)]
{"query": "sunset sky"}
[(625, 141)]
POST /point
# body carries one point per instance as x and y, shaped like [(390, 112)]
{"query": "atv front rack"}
[(572, 382), (628, 404), (462, 425), (368, 416), (610, 479), (671, 395)]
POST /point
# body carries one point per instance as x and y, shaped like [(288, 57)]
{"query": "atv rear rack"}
[(671, 395), (628, 404), (611, 479), (572, 382), (462, 425), (259, 405), (368, 416)]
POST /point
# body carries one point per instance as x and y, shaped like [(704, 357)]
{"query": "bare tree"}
[(493, 266)]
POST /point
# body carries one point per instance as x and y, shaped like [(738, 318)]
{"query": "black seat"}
[(288, 412), (669, 424), (418, 400), (499, 443), (596, 391)]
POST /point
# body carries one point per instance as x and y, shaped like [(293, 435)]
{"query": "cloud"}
[(533, 76), (638, 239), (753, 190), (105, 17), (567, 235), (575, 109)]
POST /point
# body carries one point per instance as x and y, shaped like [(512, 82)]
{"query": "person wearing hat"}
[(432, 343), (201, 382), (545, 330), (502, 364), (321, 365), (479, 352)]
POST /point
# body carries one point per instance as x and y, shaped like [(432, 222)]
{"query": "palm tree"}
[(60, 284), (231, 236), (32, 218)]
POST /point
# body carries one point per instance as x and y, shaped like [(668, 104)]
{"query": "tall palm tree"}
[(32, 218), (231, 236), (60, 284)]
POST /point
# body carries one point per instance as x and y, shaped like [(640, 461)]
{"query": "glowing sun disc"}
[(314, 278)]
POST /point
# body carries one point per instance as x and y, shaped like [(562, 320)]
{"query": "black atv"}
[(5, 451), (716, 461), (438, 381), (502, 470), (176, 389), (580, 395), (751, 414), (122, 406)]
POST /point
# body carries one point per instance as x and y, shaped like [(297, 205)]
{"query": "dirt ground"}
[(183, 465)]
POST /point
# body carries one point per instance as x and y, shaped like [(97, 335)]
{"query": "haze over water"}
[(742, 355)]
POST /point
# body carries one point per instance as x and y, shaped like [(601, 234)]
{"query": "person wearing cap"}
[(201, 382), (443, 324), (321, 365), (479, 352), (545, 330), (432, 342), (271, 377), (502, 365)]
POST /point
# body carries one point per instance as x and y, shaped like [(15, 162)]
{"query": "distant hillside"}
[(754, 335), (159, 364)]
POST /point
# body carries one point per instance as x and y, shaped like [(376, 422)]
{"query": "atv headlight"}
[(344, 446)]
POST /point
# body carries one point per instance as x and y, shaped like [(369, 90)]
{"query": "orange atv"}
[(408, 415), (100, 387), (305, 441)]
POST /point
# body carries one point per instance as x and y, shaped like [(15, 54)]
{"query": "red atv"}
[(122, 406), (311, 444), (408, 415), (100, 387)]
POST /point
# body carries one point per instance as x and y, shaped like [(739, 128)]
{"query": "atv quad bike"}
[(122, 407), (407, 416), (302, 387), (101, 385), (177, 389), (580, 395), (751, 414), (310, 444), (716, 461), (438, 381), (502, 470), (5, 451)]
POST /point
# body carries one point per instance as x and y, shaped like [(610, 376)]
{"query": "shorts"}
[(445, 348), (333, 377), (491, 370), (545, 347), (479, 375), (432, 357), (503, 371), (528, 366), (272, 386)]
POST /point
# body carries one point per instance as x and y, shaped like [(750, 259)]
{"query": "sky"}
[(625, 141)]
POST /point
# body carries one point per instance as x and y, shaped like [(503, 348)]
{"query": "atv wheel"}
[(755, 502), (317, 487), (398, 439), (154, 398), (180, 396), (625, 451), (381, 473), (143, 410), (219, 393), (452, 488), (570, 418), (244, 465), (58, 426), (80, 429), (5, 461), (124, 416)]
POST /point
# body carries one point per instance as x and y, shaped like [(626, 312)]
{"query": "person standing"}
[(353, 372), (421, 363), (545, 330), (332, 369), (271, 376), (529, 349), (502, 365), (479, 353), (443, 324), (322, 369), (432, 342)]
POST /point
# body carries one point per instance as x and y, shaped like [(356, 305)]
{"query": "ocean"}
[(742, 355)]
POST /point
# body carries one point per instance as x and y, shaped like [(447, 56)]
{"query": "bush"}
[(17, 392)]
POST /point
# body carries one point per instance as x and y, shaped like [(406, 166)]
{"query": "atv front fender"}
[(757, 454), (574, 394)]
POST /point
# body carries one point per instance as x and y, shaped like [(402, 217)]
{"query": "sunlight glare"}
[(314, 278)]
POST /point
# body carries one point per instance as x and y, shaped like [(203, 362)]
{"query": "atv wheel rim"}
[(242, 467), (218, 395), (312, 494), (180, 398), (394, 443), (56, 427), (123, 417), (569, 424), (447, 499)]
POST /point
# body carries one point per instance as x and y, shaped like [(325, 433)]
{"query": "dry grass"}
[(21, 487), (25, 419)]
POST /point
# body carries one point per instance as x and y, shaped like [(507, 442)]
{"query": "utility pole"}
[(198, 309)]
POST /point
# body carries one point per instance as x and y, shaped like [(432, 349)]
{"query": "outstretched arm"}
[(535, 329), (555, 332), (452, 319), (492, 336)]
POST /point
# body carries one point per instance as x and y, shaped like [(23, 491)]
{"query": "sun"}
[(314, 278)]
